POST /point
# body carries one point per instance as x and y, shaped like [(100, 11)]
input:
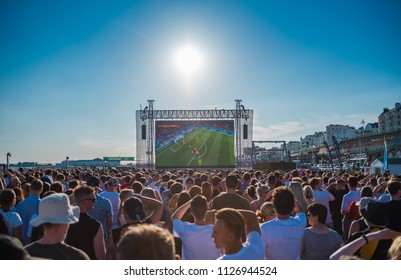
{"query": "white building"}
[(372, 128), (314, 140), (390, 119), (341, 132), (393, 164)]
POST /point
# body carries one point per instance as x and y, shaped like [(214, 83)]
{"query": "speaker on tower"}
[(245, 131), (143, 131)]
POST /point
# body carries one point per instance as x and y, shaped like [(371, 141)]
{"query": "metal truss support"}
[(151, 126), (194, 114), (283, 150), (150, 115), (238, 133)]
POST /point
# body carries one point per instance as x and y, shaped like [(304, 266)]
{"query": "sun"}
[(188, 60)]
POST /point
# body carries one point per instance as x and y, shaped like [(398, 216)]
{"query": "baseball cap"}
[(133, 206)]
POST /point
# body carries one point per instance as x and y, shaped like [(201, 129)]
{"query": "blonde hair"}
[(297, 189), (233, 220), (148, 192), (266, 209), (394, 252), (146, 242), (308, 192), (125, 193)]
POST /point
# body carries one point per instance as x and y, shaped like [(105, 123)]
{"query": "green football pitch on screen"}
[(195, 144)]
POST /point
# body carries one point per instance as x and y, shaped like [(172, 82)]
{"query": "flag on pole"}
[(329, 154), (337, 149), (385, 167)]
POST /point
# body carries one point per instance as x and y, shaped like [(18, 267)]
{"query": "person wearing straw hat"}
[(55, 215)]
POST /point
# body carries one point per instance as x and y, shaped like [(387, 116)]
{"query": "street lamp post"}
[(313, 147), (313, 156), (361, 133), (66, 162), (8, 156)]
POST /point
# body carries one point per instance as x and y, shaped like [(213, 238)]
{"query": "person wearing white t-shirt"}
[(12, 219), (229, 226), (351, 196), (197, 243), (282, 236), (322, 196)]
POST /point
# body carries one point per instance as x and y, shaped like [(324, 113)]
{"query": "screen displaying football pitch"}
[(194, 144)]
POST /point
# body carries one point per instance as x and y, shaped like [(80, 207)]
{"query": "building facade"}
[(341, 132), (390, 119), (293, 146), (312, 141)]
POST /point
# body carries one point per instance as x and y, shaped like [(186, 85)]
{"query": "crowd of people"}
[(199, 215)]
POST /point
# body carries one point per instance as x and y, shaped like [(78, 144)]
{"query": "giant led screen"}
[(195, 143)]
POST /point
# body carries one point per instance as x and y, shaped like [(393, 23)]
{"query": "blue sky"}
[(73, 73)]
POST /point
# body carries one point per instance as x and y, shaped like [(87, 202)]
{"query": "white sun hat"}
[(56, 209)]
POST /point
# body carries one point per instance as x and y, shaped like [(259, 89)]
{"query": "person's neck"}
[(234, 248), (52, 238), (320, 228), (231, 190), (82, 210), (200, 222), (282, 217), (130, 221)]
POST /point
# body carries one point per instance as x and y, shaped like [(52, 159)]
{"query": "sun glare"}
[(188, 60)]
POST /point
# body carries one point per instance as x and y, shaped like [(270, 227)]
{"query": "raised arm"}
[(156, 205), (352, 247), (179, 213), (298, 207), (377, 189), (251, 221), (173, 200)]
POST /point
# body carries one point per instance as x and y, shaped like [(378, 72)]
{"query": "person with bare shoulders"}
[(87, 234), (263, 194)]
